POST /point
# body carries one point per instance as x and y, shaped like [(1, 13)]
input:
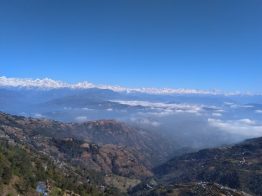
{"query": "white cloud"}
[(67, 108), (235, 106), (38, 115), (247, 106), (146, 121), (81, 119), (160, 113), (245, 127), (247, 121), (87, 109), (259, 111), (164, 109), (216, 114)]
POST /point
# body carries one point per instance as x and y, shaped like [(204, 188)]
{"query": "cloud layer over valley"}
[(191, 118)]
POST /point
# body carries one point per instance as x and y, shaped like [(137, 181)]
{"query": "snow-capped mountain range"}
[(47, 83)]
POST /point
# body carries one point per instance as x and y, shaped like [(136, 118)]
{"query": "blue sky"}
[(204, 44)]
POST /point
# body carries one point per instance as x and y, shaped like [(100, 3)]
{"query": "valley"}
[(111, 156)]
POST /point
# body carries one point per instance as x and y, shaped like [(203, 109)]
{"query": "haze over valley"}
[(126, 140), (193, 118)]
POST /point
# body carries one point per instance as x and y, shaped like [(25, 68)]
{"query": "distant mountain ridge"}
[(48, 83)]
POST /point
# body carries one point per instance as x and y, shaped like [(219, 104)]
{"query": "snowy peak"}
[(47, 83), (31, 83)]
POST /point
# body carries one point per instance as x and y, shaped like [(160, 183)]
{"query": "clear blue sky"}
[(204, 44)]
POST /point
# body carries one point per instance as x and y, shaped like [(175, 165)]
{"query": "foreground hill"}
[(238, 167), (120, 134), (115, 153), (68, 142), (111, 158), (100, 132), (22, 170)]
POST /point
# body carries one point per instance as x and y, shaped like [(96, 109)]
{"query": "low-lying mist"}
[(193, 122)]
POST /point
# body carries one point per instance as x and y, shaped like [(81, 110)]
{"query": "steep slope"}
[(238, 167), (59, 141), (154, 147), (22, 169), (107, 158), (142, 142)]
